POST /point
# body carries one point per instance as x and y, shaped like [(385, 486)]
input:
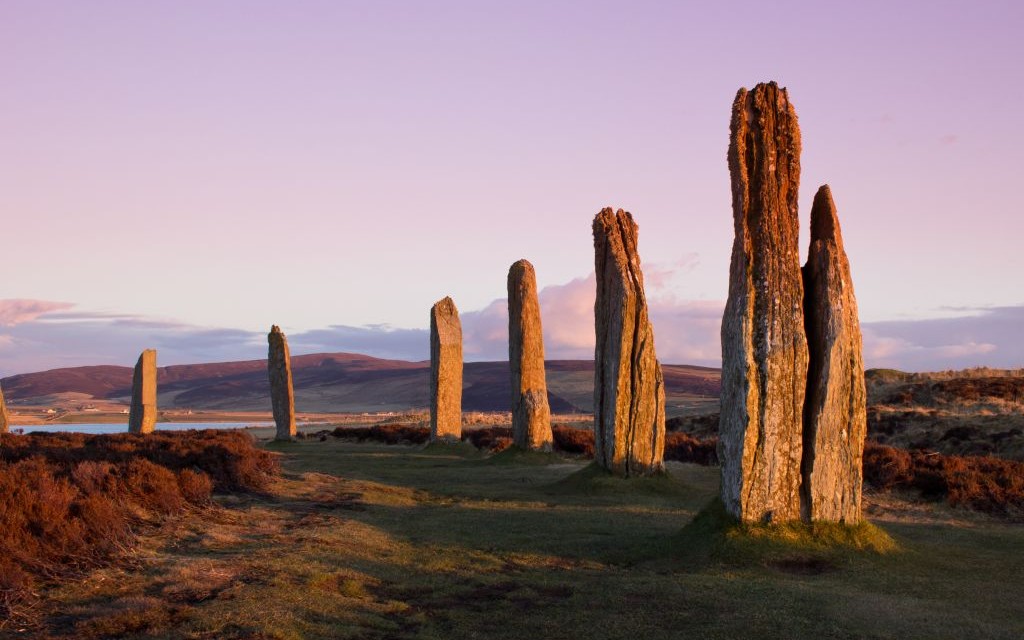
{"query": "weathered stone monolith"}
[(764, 349), (531, 415), (629, 391), (282, 394), (5, 420), (142, 414), (445, 372), (835, 411)]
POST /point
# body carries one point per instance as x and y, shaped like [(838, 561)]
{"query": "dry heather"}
[(984, 484), (973, 412), (69, 502)]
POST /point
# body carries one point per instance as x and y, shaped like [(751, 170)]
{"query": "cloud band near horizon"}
[(37, 335)]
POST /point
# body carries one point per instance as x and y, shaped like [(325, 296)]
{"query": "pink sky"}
[(227, 165)]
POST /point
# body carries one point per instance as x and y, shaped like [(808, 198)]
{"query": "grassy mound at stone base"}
[(714, 536)]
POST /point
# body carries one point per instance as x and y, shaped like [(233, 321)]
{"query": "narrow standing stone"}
[(445, 372), (764, 349), (5, 421), (835, 413), (142, 415), (282, 394), (629, 391), (531, 415)]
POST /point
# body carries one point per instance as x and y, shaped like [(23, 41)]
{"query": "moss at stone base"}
[(715, 536)]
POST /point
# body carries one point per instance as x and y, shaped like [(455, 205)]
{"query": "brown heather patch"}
[(988, 484), (489, 438), (393, 433), (70, 502)]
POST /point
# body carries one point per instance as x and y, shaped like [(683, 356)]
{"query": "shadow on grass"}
[(592, 480), (460, 449), (516, 456)]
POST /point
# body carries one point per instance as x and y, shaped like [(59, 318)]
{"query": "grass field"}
[(375, 541)]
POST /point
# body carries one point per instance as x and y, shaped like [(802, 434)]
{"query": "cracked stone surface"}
[(764, 349), (629, 390)]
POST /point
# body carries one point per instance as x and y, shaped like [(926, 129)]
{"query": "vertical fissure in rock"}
[(835, 410), (762, 331), (629, 419)]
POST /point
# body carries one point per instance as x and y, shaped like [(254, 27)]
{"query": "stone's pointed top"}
[(521, 266), (148, 355), (608, 216), (824, 221), (764, 97), (446, 305), (275, 329), (770, 88)]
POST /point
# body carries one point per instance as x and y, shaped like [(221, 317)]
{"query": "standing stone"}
[(5, 421), (445, 372), (835, 414), (629, 391), (282, 394), (531, 415), (142, 415), (764, 350)]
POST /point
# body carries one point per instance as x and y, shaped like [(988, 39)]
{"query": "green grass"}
[(372, 541)]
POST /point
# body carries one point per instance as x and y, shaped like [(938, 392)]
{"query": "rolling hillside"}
[(341, 382)]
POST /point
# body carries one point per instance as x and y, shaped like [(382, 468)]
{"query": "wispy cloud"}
[(42, 335), (17, 311)]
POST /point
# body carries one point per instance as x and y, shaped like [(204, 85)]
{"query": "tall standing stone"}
[(282, 394), (764, 350), (445, 372), (629, 391), (531, 415), (835, 412), (5, 420), (142, 415)]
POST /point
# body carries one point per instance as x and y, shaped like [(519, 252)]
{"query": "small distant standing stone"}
[(445, 372), (531, 415), (142, 415), (5, 422), (282, 394), (629, 390)]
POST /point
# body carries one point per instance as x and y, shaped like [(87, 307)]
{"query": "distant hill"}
[(342, 382)]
